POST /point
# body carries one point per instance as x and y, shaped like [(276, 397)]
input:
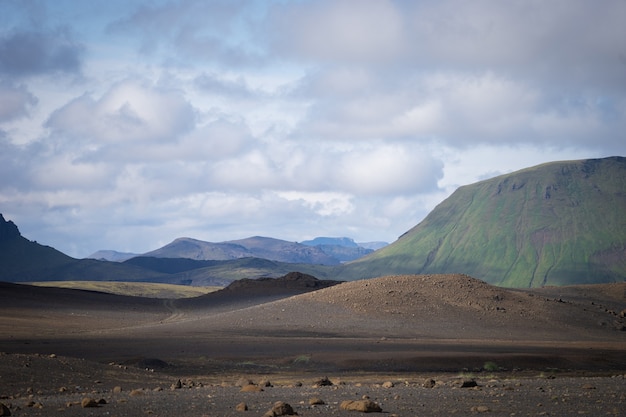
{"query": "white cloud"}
[(223, 119), (130, 111)]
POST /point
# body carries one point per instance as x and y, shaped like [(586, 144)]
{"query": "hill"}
[(252, 247), (559, 223), (111, 255)]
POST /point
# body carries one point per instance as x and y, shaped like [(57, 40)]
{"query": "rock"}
[(280, 408), (117, 389), (242, 382), (4, 410), (251, 388), (242, 407), (177, 385), (316, 401), (480, 409), (265, 383), (102, 401), (323, 382), (388, 384), (88, 403), (364, 406), (429, 383), (136, 392)]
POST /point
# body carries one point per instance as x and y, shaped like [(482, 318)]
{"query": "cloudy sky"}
[(125, 124)]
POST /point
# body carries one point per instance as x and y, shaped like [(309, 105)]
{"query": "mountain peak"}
[(8, 230)]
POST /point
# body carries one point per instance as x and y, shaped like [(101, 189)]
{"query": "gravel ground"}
[(493, 396)]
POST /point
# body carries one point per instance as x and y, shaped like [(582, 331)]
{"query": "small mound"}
[(293, 282)]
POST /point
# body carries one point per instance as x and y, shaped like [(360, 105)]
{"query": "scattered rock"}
[(265, 383), (242, 382), (316, 401), (388, 384), (429, 383), (242, 407), (88, 403), (251, 388), (480, 409), (323, 382), (280, 408), (364, 406)]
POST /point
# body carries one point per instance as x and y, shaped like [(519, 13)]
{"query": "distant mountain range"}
[(559, 223), (554, 224), (321, 250)]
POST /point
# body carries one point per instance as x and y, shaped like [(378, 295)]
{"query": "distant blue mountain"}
[(336, 241)]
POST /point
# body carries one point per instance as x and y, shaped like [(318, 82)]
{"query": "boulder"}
[(251, 388), (280, 408), (364, 406), (88, 402), (323, 382), (429, 383), (316, 401)]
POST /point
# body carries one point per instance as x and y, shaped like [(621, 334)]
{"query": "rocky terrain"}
[(410, 345)]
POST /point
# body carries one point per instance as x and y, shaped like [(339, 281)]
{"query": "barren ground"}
[(556, 351)]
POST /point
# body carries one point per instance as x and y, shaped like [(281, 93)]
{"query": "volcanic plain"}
[(412, 344)]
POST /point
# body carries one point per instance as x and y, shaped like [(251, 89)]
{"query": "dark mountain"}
[(253, 247), (559, 223), (22, 260)]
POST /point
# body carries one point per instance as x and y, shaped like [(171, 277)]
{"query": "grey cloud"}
[(16, 101), (24, 53)]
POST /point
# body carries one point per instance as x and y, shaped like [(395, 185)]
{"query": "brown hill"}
[(395, 323), (443, 307)]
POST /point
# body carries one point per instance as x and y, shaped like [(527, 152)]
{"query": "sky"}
[(125, 124)]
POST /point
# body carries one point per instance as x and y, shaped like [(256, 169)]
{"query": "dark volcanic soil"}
[(61, 345)]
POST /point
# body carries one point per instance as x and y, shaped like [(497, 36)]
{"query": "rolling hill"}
[(559, 223)]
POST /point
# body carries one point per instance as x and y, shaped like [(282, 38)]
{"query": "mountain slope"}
[(554, 224)]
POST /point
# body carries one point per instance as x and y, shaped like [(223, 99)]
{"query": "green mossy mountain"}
[(559, 223)]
